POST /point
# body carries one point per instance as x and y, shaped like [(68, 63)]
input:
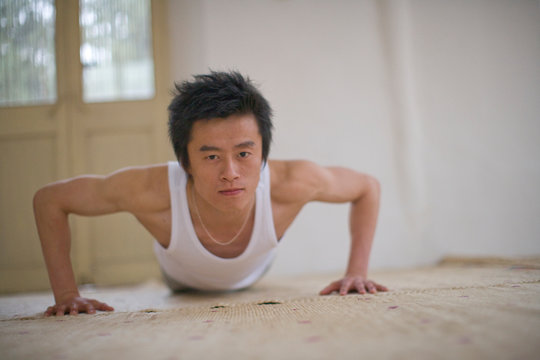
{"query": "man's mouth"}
[(231, 192)]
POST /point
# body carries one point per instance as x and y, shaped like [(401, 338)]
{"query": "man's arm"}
[(340, 185), (85, 195), (364, 193)]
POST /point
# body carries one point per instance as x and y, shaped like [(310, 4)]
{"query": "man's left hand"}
[(353, 284)]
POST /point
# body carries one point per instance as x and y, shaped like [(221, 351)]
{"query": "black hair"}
[(216, 95)]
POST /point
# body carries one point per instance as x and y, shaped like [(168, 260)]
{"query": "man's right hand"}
[(76, 305)]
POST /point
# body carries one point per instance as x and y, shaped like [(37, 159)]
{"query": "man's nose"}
[(229, 171)]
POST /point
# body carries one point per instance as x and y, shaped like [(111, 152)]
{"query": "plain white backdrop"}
[(440, 100)]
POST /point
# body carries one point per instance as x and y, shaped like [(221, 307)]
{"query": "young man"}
[(217, 214)]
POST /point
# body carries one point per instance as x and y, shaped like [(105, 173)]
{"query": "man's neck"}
[(220, 225)]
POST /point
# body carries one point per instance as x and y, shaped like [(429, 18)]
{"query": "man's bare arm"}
[(365, 191), (340, 185), (85, 195)]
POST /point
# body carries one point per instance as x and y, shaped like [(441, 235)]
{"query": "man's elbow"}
[(45, 198), (372, 187), (375, 185)]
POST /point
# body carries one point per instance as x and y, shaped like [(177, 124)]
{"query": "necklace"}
[(206, 230)]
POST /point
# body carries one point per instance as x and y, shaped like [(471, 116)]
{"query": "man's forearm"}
[(54, 234), (363, 221)]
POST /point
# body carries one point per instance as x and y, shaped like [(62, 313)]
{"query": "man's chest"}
[(158, 223)]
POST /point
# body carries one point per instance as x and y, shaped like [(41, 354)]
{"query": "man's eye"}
[(243, 154), (212, 157)]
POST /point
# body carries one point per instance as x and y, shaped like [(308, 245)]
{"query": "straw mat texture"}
[(461, 308)]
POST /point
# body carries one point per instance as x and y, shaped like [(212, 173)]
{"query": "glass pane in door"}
[(27, 57), (116, 50)]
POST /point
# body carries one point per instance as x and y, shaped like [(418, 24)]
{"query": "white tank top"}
[(189, 263)]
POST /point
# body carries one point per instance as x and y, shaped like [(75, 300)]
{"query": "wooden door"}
[(73, 136)]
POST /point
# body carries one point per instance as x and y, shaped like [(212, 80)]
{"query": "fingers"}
[(49, 311), (345, 286), (370, 287), (335, 286), (90, 309), (60, 310), (380, 287), (360, 287), (74, 309), (98, 305), (80, 305), (351, 284), (103, 307)]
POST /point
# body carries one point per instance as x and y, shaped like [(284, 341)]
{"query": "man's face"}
[(225, 157)]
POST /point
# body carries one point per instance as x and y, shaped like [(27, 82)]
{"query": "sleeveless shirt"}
[(188, 262)]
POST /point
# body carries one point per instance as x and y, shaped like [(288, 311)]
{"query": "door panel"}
[(119, 241), (28, 159), (116, 249), (18, 156), (41, 144)]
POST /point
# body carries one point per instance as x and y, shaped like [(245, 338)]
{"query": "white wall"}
[(478, 74), (438, 99)]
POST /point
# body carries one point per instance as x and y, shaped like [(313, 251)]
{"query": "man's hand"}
[(76, 305), (351, 284)]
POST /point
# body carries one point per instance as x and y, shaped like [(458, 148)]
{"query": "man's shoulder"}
[(142, 176), (293, 180), (292, 170), (141, 185)]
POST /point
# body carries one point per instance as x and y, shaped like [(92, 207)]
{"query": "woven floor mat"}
[(455, 310)]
